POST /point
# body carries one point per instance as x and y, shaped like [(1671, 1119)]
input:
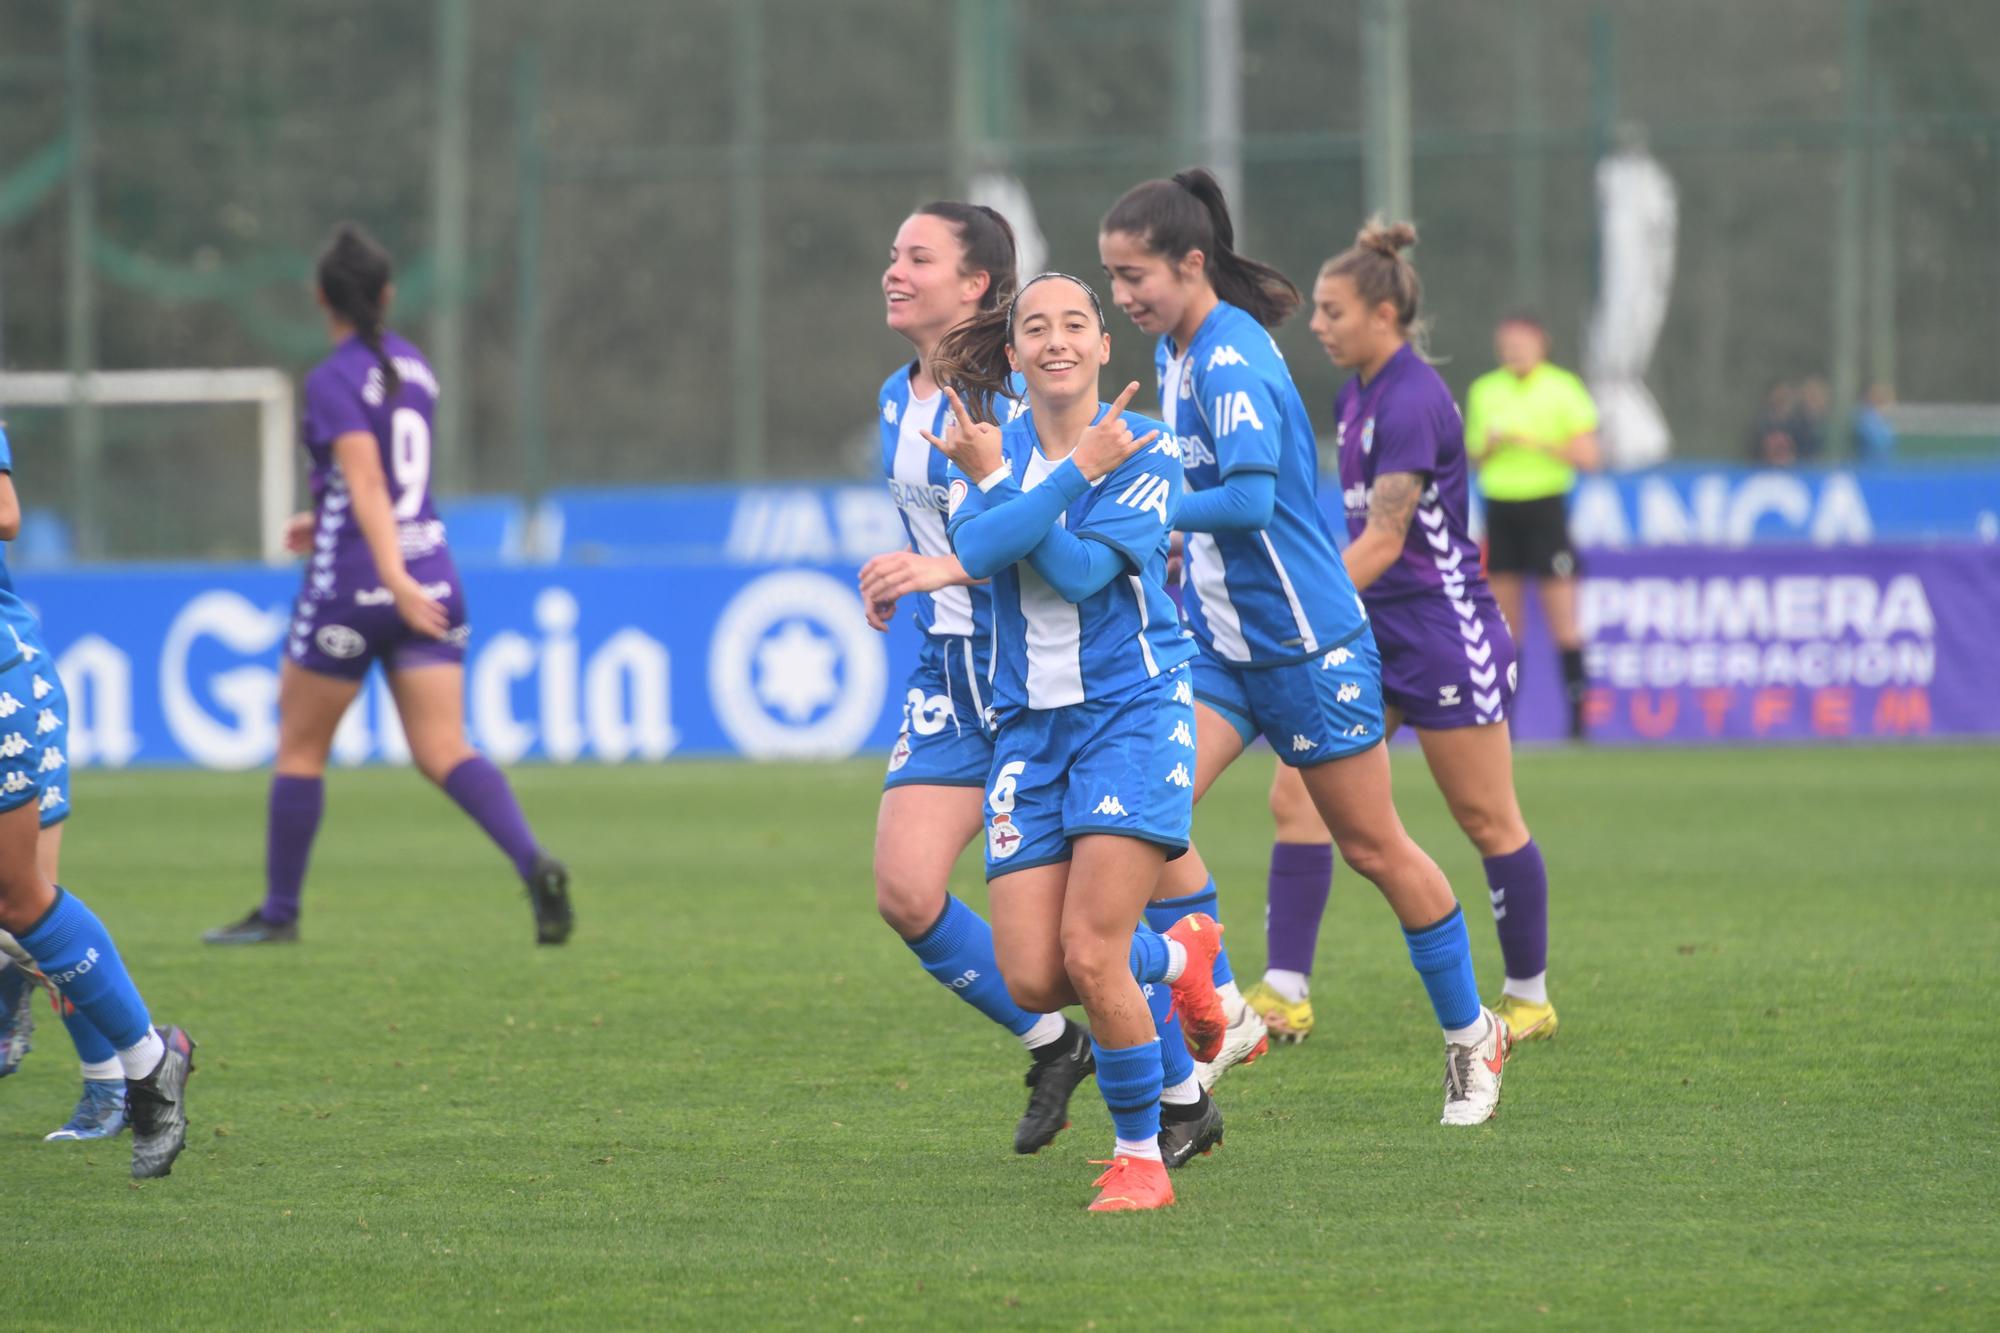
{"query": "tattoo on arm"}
[(1394, 503)]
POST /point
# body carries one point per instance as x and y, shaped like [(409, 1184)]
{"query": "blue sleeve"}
[(1008, 526), (1139, 501), (6, 452), (1075, 568), (1241, 412), (1243, 502)]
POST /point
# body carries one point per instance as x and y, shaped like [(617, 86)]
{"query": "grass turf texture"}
[(734, 1100)]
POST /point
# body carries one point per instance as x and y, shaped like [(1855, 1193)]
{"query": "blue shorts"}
[(34, 730), (947, 738), (1122, 765), (1324, 708)]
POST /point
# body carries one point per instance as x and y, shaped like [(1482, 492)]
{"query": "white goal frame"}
[(270, 391)]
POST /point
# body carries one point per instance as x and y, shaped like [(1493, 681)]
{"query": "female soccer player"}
[(100, 1111), (381, 585), (1068, 510), (1530, 427), (1447, 657), (949, 262), (1285, 645), (59, 936)]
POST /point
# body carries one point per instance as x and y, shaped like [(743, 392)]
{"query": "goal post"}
[(268, 390)]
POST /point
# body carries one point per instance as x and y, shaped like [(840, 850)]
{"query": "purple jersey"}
[(1406, 421), (344, 395)]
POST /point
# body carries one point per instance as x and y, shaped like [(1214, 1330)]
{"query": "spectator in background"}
[(1530, 426), (1808, 424), (1771, 441), (1874, 437)]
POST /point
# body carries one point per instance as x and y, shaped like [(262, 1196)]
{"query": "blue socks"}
[(1129, 1078), (1149, 955), (1165, 912), (92, 1046), (72, 947), (1442, 954), (1176, 1065), (958, 951)]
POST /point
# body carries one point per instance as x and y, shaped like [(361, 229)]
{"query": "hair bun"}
[(1387, 239)]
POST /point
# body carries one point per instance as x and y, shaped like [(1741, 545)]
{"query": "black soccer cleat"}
[(254, 929), (1190, 1129), (157, 1107), (1058, 1068), (548, 894)]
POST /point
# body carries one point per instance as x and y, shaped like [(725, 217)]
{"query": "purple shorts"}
[(344, 630), (1445, 663)]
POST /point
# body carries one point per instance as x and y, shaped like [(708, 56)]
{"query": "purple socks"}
[(481, 790), (1519, 885), (1301, 880), (288, 839)]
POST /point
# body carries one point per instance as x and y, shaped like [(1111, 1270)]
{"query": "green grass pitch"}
[(734, 1101)]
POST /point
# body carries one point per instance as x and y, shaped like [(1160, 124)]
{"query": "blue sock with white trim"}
[(1176, 1064), (1166, 911), (1151, 956), (74, 951), (958, 951), (1129, 1079), (1442, 954)]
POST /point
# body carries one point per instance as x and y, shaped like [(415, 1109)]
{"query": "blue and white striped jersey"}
[(1051, 653), (15, 616), (916, 476), (1279, 594)]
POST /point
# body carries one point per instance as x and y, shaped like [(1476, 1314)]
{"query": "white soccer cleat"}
[(1472, 1074), (1243, 1041)]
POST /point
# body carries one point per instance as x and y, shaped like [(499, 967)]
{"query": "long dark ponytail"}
[(969, 358), (1188, 212), (353, 272)]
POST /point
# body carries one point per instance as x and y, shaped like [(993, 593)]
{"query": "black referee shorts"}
[(1530, 538)]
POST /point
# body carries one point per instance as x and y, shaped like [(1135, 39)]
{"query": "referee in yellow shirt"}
[(1529, 427)]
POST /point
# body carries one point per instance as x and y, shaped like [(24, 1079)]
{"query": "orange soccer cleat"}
[(1132, 1184), (1202, 1015)]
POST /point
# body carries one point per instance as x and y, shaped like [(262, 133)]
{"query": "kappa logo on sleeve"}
[(1225, 356)]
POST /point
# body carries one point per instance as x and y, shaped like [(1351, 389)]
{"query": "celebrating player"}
[(1285, 645), (100, 1111), (381, 585), (1447, 657), (49, 927), (1068, 510), (949, 262)]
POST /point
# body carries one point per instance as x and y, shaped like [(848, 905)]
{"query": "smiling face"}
[(923, 287), (1153, 290), (1058, 344), (1352, 335)]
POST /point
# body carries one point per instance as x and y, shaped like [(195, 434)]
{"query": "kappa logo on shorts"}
[(340, 641), (9, 705), (1300, 743), (51, 797), (1447, 695), (1339, 657), (1183, 692), (16, 781), (1347, 693), (1358, 729), (42, 688), (1110, 805), (1180, 733), (14, 746), (46, 721), (1002, 838), (1179, 777), (52, 759)]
